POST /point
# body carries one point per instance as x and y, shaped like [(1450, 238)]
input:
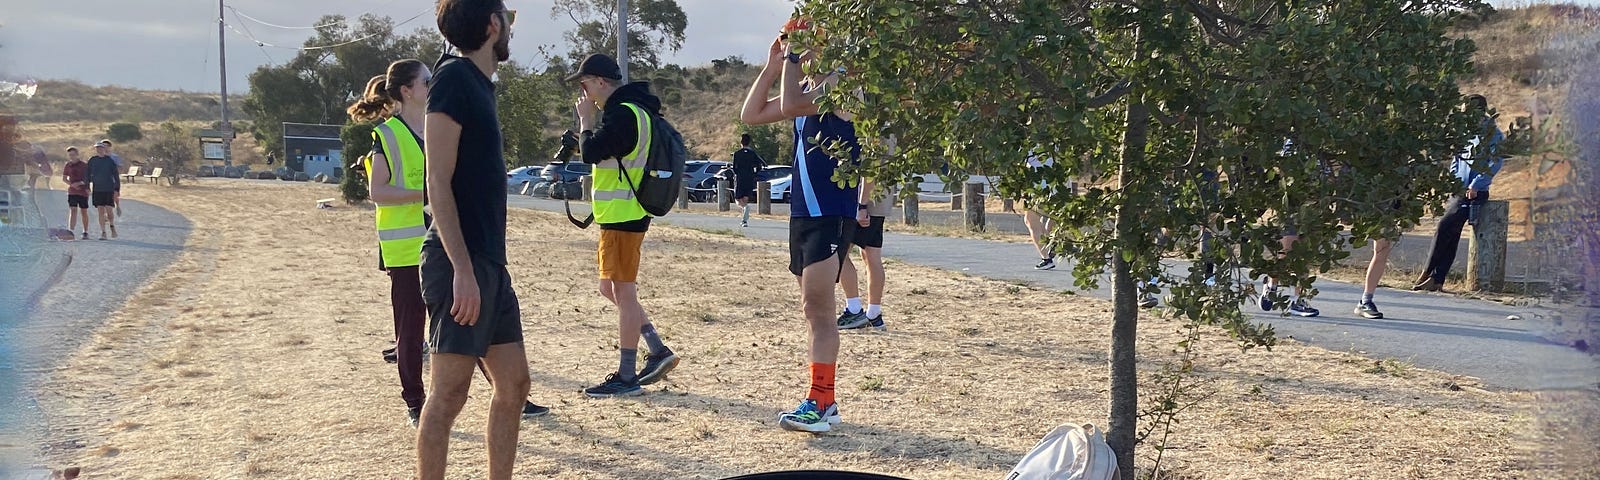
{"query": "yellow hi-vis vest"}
[(400, 226), (614, 201)]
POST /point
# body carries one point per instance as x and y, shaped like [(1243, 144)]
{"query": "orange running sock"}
[(822, 384)]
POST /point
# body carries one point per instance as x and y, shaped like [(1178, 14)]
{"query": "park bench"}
[(132, 172), (155, 175)]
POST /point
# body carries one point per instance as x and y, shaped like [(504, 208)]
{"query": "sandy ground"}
[(256, 356)]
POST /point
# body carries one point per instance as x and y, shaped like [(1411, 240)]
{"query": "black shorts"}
[(77, 201), (104, 199), (499, 316), (870, 235), (745, 188), (814, 239)]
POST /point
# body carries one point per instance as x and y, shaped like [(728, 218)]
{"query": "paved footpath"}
[(1441, 332)]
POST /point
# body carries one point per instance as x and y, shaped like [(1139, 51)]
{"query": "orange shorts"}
[(619, 255)]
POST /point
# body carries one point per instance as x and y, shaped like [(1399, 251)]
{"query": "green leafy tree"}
[(655, 27), (533, 108), (319, 83), (124, 132), (357, 138), (1144, 102), (770, 141)]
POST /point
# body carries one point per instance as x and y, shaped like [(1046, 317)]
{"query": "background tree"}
[(655, 27), (357, 138), (1140, 101), (318, 83), (124, 132), (534, 108), (771, 141), (173, 149)]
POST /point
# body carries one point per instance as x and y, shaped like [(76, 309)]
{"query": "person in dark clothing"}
[(618, 146), (76, 175), (746, 162), (104, 182), (1476, 168)]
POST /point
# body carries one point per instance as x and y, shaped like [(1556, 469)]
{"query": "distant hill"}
[(72, 101)]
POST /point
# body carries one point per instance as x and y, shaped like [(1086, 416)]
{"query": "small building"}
[(313, 148)]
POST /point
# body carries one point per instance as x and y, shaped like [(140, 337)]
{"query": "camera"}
[(569, 146)]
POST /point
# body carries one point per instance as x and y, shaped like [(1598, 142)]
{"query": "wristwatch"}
[(794, 57), (862, 206)]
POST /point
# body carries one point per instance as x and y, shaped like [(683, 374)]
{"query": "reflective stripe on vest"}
[(614, 200), (401, 228)]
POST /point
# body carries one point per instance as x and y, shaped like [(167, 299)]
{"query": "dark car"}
[(705, 191), (565, 179)]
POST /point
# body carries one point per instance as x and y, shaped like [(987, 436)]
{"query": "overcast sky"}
[(172, 44)]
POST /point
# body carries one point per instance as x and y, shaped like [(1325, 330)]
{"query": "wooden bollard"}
[(1486, 251), (1008, 206), (955, 200), (973, 192), (588, 187), (764, 198), (683, 195), (908, 211), (724, 195)]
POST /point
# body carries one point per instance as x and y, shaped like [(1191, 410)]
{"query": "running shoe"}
[(851, 321), (808, 418), (1148, 301), (1369, 310), (1266, 299), (414, 415), (1045, 264), (1300, 308), (532, 410), (614, 386), (877, 323), (656, 367)]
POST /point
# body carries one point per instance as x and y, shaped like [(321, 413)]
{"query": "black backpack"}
[(658, 191)]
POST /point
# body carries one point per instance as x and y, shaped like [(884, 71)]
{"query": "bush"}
[(124, 132), (357, 138)]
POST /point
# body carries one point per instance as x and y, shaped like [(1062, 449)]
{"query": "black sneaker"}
[(1302, 309), (614, 386), (391, 354), (1369, 310), (852, 321), (656, 367), (531, 410), (1148, 301), (1045, 264), (415, 415)]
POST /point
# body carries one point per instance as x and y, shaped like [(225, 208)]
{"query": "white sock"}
[(852, 305), (746, 213), (874, 310)]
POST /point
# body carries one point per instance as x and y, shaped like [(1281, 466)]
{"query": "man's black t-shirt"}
[(461, 91), (103, 174), (746, 162)]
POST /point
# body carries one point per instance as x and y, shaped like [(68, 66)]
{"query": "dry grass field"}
[(255, 355)]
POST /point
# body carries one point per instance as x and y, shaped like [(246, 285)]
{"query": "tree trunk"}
[(1124, 423)]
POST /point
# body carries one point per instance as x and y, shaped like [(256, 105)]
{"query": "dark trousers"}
[(1445, 242), (410, 323)]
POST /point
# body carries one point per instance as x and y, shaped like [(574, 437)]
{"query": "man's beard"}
[(502, 49)]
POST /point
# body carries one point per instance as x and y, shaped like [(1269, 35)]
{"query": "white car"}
[(520, 176)]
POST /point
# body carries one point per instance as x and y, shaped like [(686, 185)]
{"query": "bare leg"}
[(631, 316), (1039, 231), (818, 305), (848, 279), (507, 365), (1380, 262), (873, 257), (452, 376)]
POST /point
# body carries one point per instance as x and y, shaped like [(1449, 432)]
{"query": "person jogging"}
[(616, 124), (746, 164), (104, 183), (823, 214), (869, 238), (1476, 168), (76, 175), (473, 311)]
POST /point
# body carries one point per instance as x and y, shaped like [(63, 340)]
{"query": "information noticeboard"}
[(211, 150)]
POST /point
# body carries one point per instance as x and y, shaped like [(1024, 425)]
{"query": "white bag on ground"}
[(1070, 452)]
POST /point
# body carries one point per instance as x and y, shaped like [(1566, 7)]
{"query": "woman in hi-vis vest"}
[(395, 173)]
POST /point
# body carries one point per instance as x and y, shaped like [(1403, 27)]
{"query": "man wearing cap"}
[(104, 183), (616, 140), (122, 169)]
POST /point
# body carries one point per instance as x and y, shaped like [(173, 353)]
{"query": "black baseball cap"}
[(599, 65)]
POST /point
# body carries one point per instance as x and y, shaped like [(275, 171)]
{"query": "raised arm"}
[(760, 107)]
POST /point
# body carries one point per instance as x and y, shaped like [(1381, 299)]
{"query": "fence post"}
[(764, 198), (588, 187), (973, 192), (955, 199), (1486, 251), (1008, 206), (908, 210), (723, 195), (683, 195)]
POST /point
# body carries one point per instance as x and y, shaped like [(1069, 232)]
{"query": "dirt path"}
[(255, 356)]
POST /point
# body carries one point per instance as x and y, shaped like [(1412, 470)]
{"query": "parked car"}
[(696, 172), (520, 177), (565, 179), (705, 191)]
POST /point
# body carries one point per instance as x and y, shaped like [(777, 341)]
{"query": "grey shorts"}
[(499, 315)]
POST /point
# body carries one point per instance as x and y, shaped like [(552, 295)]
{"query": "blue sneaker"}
[(877, 323), (852, 321), (1266, 299), (807, 418)]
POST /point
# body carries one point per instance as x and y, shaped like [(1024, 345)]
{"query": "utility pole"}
[(622, 38), (222, 56)]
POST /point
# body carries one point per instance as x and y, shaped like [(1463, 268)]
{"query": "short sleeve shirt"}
[(461, 91)]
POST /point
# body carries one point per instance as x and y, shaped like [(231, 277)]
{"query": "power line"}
[(260, 43), (238, 13), (246, 28)]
